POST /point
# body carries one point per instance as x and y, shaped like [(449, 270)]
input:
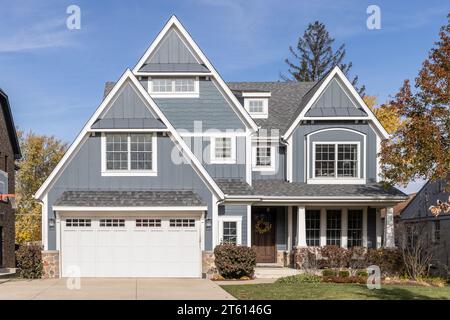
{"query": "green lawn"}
[(330, 291)]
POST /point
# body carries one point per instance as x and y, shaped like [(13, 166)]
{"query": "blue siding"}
[(236, 210), (78, 175), (210, 110), (280, 167), (299, 140)]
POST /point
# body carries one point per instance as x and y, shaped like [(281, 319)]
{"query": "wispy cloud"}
[(47, 34)]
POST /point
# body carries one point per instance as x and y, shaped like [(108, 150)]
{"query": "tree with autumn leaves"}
[(40, 155), (420, 147)]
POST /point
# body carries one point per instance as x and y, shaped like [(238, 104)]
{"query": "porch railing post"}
[(364, 228), (344, 227), (323, 227), (249, 225), (389, 231), (301, 227)]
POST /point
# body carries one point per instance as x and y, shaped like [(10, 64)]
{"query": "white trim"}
[(248, 158), (44, 222), (364, 227), (341, 180), (173, 21), (132, 209), (128, 173), (289, 228), (212, 149), (378, 164), (58, 231), (255, 154), (379, 228), (173, 93), (215, 133), (336, 72), (337, 118), (264, 114), (301, 226), (251, 94), (172, 74), (249, 225), (129, 130), (323, 226), (238, 220), (214, 221), (289, 160), (344, 227), (202, 230), (83, 136)]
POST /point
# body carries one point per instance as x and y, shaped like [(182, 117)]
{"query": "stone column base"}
[(50, 263), (209, 269)]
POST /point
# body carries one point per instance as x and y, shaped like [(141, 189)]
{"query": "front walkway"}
[(114, 289)]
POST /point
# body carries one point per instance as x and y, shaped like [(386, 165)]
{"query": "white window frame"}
[(129, 172), (335, 179), (212, 150), (255, 154), (238, 220), (257, 115), (174, 94)]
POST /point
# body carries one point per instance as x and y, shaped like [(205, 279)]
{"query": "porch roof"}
[(280, 188), (137, 198)]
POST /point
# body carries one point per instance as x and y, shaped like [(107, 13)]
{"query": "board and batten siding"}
[(299, 149), (280, 167), (171, 176), (236, 210)]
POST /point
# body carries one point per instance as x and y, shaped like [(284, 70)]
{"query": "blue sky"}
[(55, 76)]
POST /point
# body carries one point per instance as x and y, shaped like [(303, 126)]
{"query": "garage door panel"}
[(152, 247)]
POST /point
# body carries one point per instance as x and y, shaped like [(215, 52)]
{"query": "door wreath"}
[(262, 226)]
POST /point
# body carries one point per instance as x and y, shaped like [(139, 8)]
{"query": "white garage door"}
[(131, 246)]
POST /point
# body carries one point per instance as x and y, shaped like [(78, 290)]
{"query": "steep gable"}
[(335, 101)]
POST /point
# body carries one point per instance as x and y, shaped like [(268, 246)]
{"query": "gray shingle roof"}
[(107, 198), (280, 188), (285, 101)]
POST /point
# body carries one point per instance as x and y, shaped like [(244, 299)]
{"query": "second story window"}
[(128, 154), (174, 87), (223, 150), (336, 160), (263, 156), (257, 107)]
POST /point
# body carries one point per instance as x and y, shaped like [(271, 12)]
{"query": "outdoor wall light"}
[(51, 223), (208, 223)]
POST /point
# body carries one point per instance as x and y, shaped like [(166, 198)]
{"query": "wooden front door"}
[(263, 235)]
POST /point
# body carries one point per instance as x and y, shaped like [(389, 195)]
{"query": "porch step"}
[(274, 272), (7, 273)]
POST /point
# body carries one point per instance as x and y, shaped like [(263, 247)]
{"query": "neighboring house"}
[(175, 161), (9, 152), (438, 228)]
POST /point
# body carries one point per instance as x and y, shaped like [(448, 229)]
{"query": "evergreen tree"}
[(314, 56)]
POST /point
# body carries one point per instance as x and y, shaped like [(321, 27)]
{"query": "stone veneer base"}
[(50, 262)]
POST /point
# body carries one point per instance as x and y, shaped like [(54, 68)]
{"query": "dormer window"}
[(186, 87), (257, 104)]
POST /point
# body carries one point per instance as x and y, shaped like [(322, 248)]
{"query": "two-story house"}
[(9, 152), (175, 161)]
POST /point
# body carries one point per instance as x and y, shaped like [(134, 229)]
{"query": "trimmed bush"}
[(300, 278), (389, 260), (29, 261), (362, 273), (334, 257), (235, 262), (344, 273), (360, 280), (329, 273)]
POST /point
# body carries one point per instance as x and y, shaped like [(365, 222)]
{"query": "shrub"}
[(362, 273), (300, 278), (234, 262), (329, 273), (360, 280), (344, 273), (389, 261), (29, 261), (334, 257)]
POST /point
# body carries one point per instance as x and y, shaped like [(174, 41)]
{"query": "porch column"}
[(323, 227), (249, 226), (389, 241), (289, 229), (364, 228), (379, 227), (301, 227), (344, 228)]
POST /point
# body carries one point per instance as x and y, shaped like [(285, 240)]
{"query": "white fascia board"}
[(172, 74), (314, 199), (250, 94), (337, 72), (173, 21), (128, 130), (109, 209), (83, 134)]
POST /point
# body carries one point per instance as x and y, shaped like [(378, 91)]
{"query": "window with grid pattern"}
[(173, 85), (162, 85), (229, 233), (78, 222), (183, 223), (263, 155), (117, 152), (325, 160), (185, 85), (129, 152), (112, 223), (347, 161), (312, 221), (223, 147), (354, 228), (256, 106), (146, 223), (334, 227)]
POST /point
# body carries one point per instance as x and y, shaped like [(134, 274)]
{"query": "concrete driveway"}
[(114, 289)]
